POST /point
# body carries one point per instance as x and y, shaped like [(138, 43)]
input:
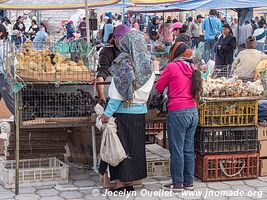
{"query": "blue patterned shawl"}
[(133, 67)]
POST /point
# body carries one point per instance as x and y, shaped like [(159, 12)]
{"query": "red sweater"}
[(177, 76)]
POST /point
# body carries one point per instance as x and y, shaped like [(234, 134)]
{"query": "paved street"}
[(84, 184)]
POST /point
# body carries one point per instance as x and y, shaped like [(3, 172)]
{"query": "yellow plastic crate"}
[(229, 113)]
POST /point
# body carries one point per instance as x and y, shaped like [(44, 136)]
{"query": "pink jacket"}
[(177, 76)]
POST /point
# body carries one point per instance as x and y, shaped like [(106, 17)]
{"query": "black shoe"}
[(129, 188)]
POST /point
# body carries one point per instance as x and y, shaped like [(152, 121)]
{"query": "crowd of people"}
[(127, 58)]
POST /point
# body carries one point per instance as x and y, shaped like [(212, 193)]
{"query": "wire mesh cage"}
[(44, 104), (226, 140), (221, 71), (54, 60)]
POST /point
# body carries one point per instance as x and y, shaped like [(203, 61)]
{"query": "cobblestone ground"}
[(84, 184)]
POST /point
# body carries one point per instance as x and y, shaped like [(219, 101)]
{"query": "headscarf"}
[(180, 50), (133, 67)]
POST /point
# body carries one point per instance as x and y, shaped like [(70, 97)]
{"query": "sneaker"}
[(188, 186), (174, 188)]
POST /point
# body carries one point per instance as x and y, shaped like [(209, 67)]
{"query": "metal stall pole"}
[(17, 125), (94, 150), (87, 21)]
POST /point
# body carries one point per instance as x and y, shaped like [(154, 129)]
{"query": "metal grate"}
[(45, 103), (226, 140)]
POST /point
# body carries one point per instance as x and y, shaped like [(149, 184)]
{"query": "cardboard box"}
[(263, 148), (263, 167), (262, 133), (4, 112)]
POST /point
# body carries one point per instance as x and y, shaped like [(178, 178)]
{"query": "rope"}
[(232, 175)]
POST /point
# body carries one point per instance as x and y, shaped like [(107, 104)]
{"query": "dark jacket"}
[(20, 27), (33, 30), (224, 50), (153, 29), (82, 28), (184, 38), (106, 57)]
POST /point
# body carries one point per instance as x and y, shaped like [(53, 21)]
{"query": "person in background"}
[(224, 49), (70, 30), (136, 25), (40, 39), (189, 23), (257, 19), (141, 23), (254, 25), (82, 28), (119, 21), (212, 27), (33, 30), (153, 29), (179, 31), (106, 56), (133, 79), (5, 88), (19, 25), (245, 31), (247, 60), (18, 38), (101, 27), (184, 84), (166, 33), (108, 29), (234, 27), (195, 31), (6, 22), (260, 35)]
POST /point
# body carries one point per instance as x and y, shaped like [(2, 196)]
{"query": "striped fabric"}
[(131, 131)]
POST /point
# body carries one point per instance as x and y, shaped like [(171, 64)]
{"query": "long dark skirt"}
[(131, 131)]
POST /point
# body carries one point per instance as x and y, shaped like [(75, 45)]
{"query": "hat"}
[(169, 19), (200, 16), (176, 25), (190, 18), (106, 17), (121, 30), (70, 22)]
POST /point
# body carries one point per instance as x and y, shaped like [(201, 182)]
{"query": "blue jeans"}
[(195, 42), (209, 47), (260, 46), (181, 131)]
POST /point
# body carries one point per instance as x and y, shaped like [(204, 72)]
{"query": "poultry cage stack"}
[(57, 92), (226, 138)]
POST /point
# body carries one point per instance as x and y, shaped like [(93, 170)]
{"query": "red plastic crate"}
[(227, 167)]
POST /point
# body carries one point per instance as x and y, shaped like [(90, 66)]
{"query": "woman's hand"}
[(104, 118)]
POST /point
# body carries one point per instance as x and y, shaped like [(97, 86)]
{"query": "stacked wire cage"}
[(56, 89), (226, 139), (57, 77)]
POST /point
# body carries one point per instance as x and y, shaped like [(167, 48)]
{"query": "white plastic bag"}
[(111, 149)]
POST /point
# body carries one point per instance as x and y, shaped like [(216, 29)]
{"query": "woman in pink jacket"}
[(184, 84)]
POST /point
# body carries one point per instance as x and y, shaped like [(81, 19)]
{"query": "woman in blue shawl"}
[(133, 79)]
